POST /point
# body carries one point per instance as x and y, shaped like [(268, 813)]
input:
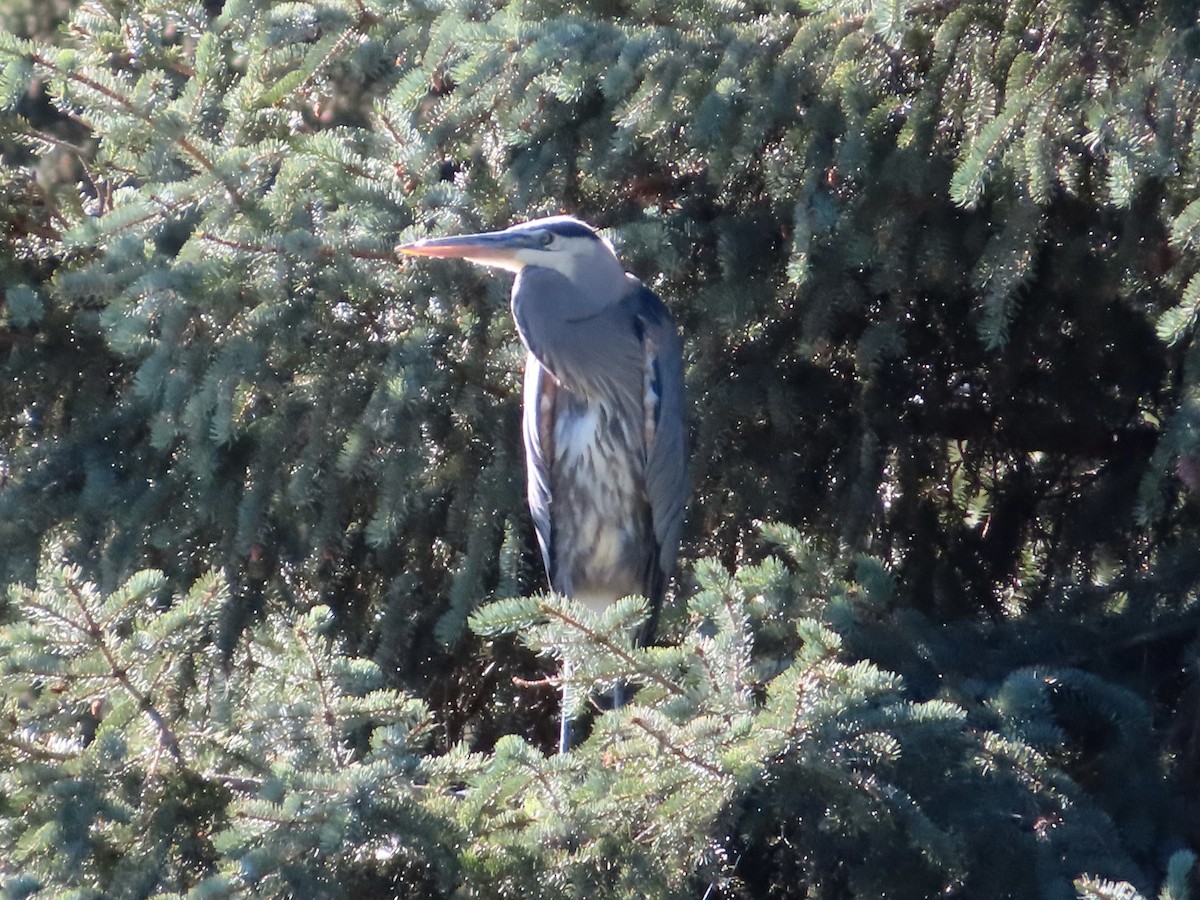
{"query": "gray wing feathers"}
[(536, 426), (666, 456)]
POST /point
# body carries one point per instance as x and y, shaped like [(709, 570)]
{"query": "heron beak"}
[(495, 249)]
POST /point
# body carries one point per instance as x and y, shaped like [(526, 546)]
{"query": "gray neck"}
[(578, 332)]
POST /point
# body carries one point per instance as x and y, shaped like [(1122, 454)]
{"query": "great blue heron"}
[(604, 411)]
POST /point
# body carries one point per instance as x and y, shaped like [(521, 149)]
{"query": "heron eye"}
[(547, 238)]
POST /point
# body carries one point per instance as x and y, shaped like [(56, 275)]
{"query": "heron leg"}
[(564, 733), (618, 694), (564, 725)]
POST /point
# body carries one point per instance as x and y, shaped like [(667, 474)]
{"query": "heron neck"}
[(576, 295), (577, 332)]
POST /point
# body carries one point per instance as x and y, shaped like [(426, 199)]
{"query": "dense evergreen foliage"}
[(276, 624)]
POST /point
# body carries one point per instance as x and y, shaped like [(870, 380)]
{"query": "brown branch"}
[(125, 103), (95, 634), (323, 693), (665, 743), (599, 638), (35, 750), (322, 252), (539, 683), (391, 128)]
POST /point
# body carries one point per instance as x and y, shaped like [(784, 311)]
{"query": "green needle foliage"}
[(137, 762), (276, 625)]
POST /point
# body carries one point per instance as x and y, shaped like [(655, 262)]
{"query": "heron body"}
[(603, 409)]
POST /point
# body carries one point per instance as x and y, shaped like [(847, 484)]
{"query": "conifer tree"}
[(276, 625)]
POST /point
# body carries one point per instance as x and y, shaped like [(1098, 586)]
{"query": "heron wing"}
[(665, 432), (538, 431)]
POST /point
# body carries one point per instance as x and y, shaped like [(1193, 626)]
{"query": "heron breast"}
[(599, 505)]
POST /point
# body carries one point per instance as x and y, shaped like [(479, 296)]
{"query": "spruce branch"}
[(183, 142), (322, 252), (95, 633), (603, 640), (33, 750), (665, 742), (329, 717)]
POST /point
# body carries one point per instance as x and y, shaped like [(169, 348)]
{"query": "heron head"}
[(562, 243)]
